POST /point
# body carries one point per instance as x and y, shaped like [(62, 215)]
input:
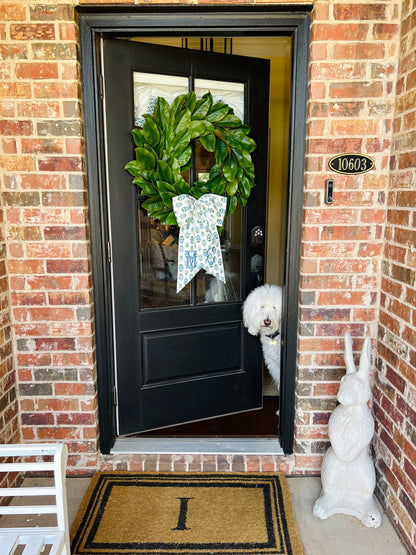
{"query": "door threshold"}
[(218, 446)]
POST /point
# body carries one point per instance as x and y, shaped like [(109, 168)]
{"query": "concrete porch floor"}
[(339, 535)]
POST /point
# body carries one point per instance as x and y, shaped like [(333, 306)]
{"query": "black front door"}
[(185, 356)]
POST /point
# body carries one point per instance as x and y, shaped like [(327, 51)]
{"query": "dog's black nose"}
[(267, 322)]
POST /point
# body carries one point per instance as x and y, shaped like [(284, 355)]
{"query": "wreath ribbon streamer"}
[(199, 242)]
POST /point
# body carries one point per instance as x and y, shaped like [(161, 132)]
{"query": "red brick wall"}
[(395, 392), (353, 55), (46, 225), (9, 421)]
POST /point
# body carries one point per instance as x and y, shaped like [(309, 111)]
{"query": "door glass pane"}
[(223, 91), (209, 288), (158, 264), (148, 86), (158, 243)]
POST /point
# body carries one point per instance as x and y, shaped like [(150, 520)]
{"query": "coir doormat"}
[(194, 514)]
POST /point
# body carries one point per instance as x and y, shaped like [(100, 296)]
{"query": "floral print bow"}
[(199, 242)]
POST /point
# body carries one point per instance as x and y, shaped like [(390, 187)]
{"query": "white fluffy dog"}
[(262, 313)]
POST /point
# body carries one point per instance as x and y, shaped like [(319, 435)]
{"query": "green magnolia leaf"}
[(197, 193), (160, 215), (208, 142), (150, 190), (245, 143), (239, 132), (151, 131), (241, 200), (149, 176), (196, 128), (244, 187), (186, 166), (208, 97), (175, 166), (232, 205), (217, 185), (184, 121), (230, 171), (138, 137), (218, 112), (140, 181), (243, 158), (149, 149), (221, 152), (232, 187), (145, 159), (209, 128), (177, 105), (214, 171), (165, 156), (183, 187), (184, 156), (181, 140), (164, 171), (201, 108), (163, 114), (249, 171), (167, 198), (190, 101), (171, 219), (153, 205), (230, 121), (133, 167), (164, 187)]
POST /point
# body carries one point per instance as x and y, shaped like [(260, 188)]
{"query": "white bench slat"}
[(26, 467), (28, 449), (58, 545), (33, 545), (49, 532), (27, 492), (28, 509), (8, 543)]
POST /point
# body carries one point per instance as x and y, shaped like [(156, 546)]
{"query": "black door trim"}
[(101, 21)]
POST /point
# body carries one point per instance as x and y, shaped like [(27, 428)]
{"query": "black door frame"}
[(101, 21)]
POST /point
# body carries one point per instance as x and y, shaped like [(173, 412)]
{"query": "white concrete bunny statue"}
[(347, 474)]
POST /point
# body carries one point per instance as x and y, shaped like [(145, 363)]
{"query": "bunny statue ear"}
[(365, 359), (348, 356)]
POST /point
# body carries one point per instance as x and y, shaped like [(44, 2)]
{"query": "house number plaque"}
[(351, 164)]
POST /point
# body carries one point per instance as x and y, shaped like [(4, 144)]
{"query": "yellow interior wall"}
[(278, 156)]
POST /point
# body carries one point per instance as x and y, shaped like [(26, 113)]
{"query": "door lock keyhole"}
[(257, 236)]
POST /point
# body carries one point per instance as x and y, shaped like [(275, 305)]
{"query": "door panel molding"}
[(96, 22), (202, 339)]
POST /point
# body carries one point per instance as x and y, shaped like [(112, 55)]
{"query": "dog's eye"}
[(274, 308), (262, 306)]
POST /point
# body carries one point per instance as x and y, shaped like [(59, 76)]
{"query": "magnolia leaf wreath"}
[(164, 153)]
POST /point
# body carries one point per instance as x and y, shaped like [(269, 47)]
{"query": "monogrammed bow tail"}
[(199, 242)]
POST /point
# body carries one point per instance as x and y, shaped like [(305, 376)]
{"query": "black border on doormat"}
[(281, 529)]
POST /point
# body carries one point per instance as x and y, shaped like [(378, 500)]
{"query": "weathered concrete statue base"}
[(348, 476)]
